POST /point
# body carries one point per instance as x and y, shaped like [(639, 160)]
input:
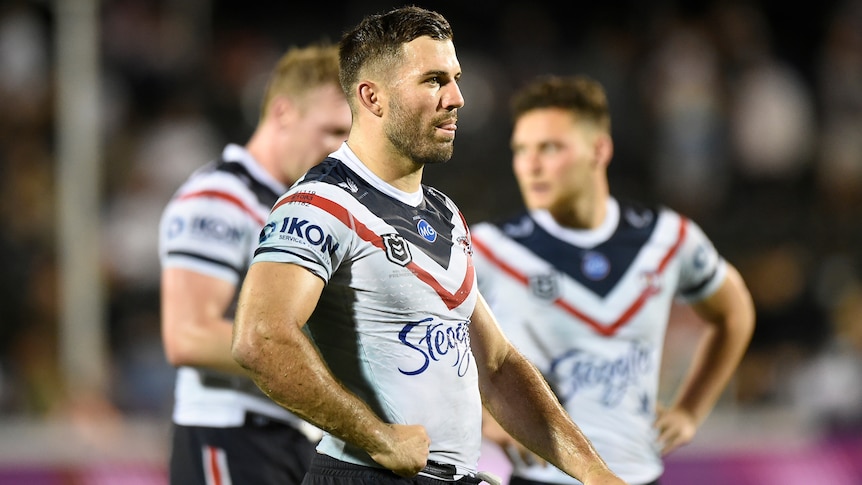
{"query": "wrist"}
[(598, 474)]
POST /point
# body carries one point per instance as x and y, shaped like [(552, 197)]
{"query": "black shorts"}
[(261, 452), (524, 481), (326, 470)]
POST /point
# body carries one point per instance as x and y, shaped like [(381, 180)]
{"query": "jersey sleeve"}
[(209, 235), (481, 233), (702, 268), (307, 227)]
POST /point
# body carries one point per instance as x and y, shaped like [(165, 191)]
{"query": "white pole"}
[(83, 353)]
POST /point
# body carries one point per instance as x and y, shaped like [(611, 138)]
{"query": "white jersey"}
[(590, 308), (211, 226), (393, 320)]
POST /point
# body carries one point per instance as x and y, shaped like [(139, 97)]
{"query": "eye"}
[(550, 148)]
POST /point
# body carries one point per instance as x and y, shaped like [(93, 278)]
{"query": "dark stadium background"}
[(744, 115)]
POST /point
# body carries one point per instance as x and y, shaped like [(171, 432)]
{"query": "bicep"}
[(489, 345), (276, 298), (275, 301), (192, 299)]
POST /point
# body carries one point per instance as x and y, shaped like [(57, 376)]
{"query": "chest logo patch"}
[(544, 286), (595, 265), (397, 250), (426, 231)]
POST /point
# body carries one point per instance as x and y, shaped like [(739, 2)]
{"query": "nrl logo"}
[(544, 286), (396, 249)]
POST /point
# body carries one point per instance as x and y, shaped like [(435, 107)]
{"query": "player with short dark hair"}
[(360, 313)]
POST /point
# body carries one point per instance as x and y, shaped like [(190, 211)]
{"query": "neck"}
[(391, 166), (585, 212), (262, 152)]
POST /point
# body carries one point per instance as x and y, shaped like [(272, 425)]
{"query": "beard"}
[(410, 136)]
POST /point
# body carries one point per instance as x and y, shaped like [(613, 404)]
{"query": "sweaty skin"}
[(397, 129)]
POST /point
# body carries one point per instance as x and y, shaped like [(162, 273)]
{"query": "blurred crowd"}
[(744, 116)]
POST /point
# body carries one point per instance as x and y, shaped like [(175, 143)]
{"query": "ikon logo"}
[(303, 229)]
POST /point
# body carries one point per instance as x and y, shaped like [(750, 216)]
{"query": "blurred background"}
[(745, 116)]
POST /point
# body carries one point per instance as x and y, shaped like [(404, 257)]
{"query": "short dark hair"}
[(378, 38), (584, 97)]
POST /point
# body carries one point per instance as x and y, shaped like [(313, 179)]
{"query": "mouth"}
[(448, 126), (538, 188)]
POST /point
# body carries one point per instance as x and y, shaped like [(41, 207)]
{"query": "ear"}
[(604, 147), (369, 97), (282, 110)]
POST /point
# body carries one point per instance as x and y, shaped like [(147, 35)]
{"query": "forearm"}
[(206, 346), (714, 363), (304, 385), (195, 332), (522, 403), (730, 315), (275, 303), (517, 396)]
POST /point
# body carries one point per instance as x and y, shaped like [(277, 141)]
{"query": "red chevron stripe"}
[(606, 329), (451, 300), (226, 197)]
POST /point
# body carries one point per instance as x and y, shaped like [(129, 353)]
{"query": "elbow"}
[(179, 352), (174, 356), (739, 327), (739, 311), (748, 319), (242, 350)]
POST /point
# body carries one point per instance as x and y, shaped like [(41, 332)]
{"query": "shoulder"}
[(674, 221), (513, 226), (438, 196), (635, 215), (220, 195), (330, 171), (657, 220), (328, 188), (331, 179), (214, 178)]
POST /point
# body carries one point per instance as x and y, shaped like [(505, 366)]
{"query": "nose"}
[(452, 97), (531, 161), (527, 162)]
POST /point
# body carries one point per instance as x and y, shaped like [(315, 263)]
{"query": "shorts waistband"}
[(447, 472), (218, 380), (258, 420), (433, 472)]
